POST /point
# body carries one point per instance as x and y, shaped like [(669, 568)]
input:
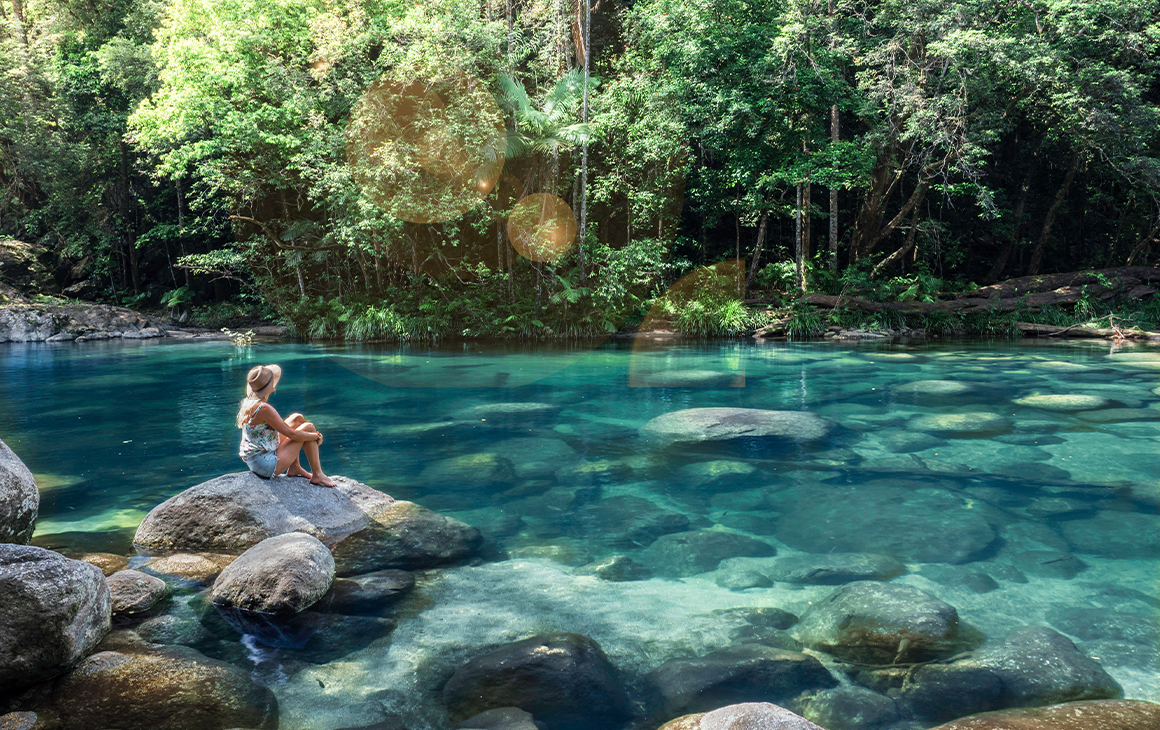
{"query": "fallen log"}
[(1048, 330), (1122, 277)]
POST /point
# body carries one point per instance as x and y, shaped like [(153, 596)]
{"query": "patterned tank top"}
[(257, 438)]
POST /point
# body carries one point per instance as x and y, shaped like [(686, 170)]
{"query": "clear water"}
[(111, 429)]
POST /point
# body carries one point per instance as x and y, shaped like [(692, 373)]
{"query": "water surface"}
[(558, 486)]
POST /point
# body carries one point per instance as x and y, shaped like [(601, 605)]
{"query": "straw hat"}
[(261, 381)]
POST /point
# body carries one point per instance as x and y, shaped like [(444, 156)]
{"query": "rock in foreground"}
[(280, 575), (564, 680), (745, 716), (1099, 715), (135, 592), (700, 425), (882, 623), (174, 688), (745, 673), (367, 529), (53, 611), (19, 498)]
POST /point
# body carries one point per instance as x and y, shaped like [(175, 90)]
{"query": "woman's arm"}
[(266, 414)]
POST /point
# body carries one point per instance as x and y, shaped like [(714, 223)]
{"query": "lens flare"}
[(541, 227), (426, 151), (714, 285)]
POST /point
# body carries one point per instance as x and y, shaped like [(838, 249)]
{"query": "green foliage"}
[(805, 324)]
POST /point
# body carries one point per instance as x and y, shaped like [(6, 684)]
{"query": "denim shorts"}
[(262, 464)]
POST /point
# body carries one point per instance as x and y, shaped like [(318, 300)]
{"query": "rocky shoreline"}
[(65, 321)]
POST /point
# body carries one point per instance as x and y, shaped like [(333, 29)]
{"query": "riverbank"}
[(48, 319)]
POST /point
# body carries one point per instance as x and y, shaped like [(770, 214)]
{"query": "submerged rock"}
[(534, 458), (502, 718), (745, 673), (53, 611), (848, 708), (1048, 563), (1111, 534), (895, 518), (700, 425), (1064, 403), (1032, 666), (565, 680), (1097, 715), (469, 472), (187, 566), (134, 592), (372, 531), (961, 424), (170, 688), (627, 522), (107, 562), (720, 473), (744, 580), (745, 716), (1039, 666), (881, 623), (19, 498), (687, 379), (934, 387), (682, 554), (370, 594), (280, 575), (509, 414), (618, 568), (833, 569)]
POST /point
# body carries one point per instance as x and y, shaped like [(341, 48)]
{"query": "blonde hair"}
[(247, 408)]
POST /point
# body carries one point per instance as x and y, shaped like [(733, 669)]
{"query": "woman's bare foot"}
[(297, 471), (322, 480)]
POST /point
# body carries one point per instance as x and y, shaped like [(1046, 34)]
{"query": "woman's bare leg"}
[(288, 453), (295, 421)]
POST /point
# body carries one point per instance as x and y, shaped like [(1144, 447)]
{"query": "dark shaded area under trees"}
[(178, 153)]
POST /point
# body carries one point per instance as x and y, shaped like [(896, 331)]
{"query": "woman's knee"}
[(307, 426), (294, 419)]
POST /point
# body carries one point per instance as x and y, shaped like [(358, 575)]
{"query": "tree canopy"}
[(359, 165)]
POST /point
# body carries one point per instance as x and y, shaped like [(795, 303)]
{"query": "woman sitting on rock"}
[(270, 445)]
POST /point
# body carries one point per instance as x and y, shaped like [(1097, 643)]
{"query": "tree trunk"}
[(761, 228), (1144, 245), (1005, 252), (584, 150), (910, 237), (797, 242), (1037, 254), (835, 137)]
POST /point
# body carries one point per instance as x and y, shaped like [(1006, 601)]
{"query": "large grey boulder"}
[(280, 575), (53, 611), (170, 688), (367, 529), (19, 498), (744, 716), (564, 680), (1040, 666), (744, 673), (1033, 666), (883, 623), (701, 425)]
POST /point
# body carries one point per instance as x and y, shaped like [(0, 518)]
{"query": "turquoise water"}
[(961, 480)]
